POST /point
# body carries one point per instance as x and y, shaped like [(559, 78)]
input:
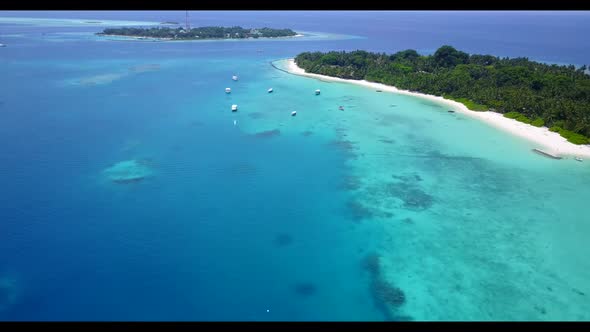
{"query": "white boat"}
[(293, 113), (317, 92), (2, 45), (227, 90), (578, 159), (234, 108), (270, 90), (235, 78)]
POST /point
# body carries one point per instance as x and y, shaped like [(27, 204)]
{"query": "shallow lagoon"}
[(272, 218)]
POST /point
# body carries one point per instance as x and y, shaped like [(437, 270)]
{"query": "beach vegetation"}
[(573, 137), (518, 117), (570, 135), (528, 91), (470, 104), (181, 33), (538, 122)]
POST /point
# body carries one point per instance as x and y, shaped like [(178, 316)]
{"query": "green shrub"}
[(559, 123), (518, 117), (573, 137), (523, 118), (470, 104), (512, 115), (538, 122), (555, 129)]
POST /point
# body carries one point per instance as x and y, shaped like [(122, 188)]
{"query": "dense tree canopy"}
[(199, 33), (556, 96)]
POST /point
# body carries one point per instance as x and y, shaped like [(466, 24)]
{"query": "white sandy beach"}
[(190, 40), (547, 140)]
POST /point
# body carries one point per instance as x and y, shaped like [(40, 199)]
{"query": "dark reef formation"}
[(256, 115), (387, 297), (128, 181), (347, 147), (413, 197), (350, 183), (387, 293), (305, 289), (283, 239), (371, 264), (307, 133), (358, 211), (267, 133)]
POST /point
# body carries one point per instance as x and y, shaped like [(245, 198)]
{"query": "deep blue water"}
[(201, 238), (542, 35)]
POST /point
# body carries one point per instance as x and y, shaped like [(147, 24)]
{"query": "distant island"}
[(201, 33), (531, 92)]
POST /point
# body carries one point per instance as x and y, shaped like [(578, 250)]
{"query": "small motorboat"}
[(317, 92), (579, 159), (270, 90), (235, 78), (451, 111), (227, 90), (548, 154), (2, 45), (293, 113), (234, 108), (341, 108)]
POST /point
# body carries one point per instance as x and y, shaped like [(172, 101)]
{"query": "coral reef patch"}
[(305, 288), (128, 171), (256, 115), (283, 240), (7, 292), (387, 297), (267, 133)]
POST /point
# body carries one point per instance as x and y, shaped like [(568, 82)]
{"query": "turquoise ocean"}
[(393, 209)]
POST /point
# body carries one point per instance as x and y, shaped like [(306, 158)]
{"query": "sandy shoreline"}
[(547, 140), (135, 37), (190, 40)]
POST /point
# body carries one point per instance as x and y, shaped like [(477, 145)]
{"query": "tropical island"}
[(530, 92), (181, 33)]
